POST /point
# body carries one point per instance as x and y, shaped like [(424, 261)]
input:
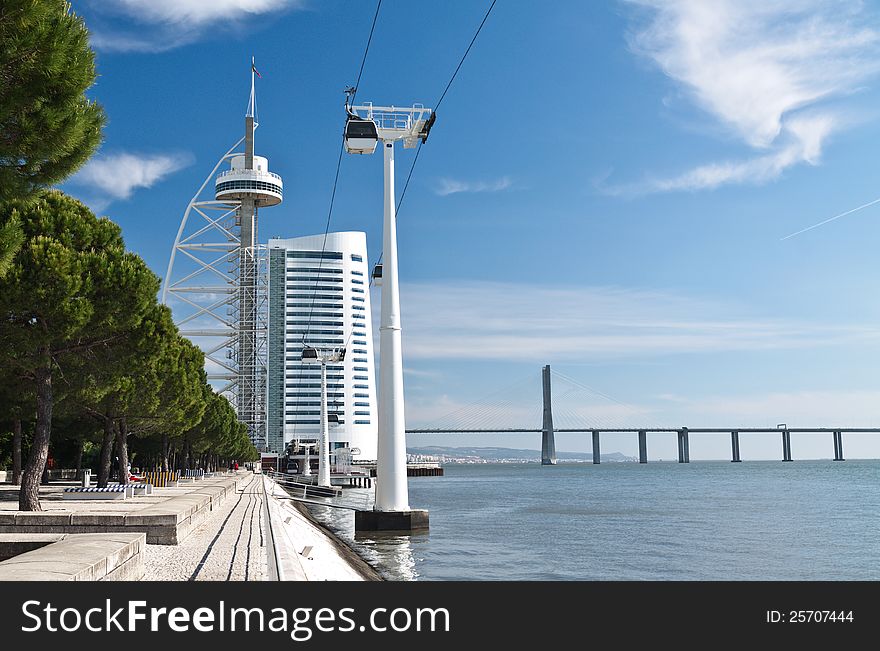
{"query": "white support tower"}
[(389, 124), (215, 282), (322, 356)]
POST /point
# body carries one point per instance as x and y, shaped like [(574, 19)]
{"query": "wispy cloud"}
[(811, 408), (762, 70), (536, 323), (447, 186), (116, 176), (162, 25)]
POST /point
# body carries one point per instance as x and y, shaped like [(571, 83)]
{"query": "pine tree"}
[(48, 128), (72, 290)]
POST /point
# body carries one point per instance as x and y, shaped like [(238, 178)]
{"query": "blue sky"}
[(606, 190)]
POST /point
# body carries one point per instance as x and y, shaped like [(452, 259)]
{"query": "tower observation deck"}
[(216, 280)]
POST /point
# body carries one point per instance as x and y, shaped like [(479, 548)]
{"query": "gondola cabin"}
[(310, 354), (361, 136)]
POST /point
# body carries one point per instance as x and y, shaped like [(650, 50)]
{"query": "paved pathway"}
[(227, 546)]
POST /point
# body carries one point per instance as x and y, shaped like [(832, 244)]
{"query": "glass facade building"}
[(319, 296)]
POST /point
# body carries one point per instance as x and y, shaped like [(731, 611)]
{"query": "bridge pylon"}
[(548, 439)]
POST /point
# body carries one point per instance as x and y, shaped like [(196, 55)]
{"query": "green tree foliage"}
[(11, 238), (72, 291), (48, 128)]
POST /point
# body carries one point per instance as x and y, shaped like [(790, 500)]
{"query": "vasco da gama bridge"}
[(476, 419)]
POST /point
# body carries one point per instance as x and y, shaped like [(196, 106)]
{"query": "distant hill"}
[(477, 454)]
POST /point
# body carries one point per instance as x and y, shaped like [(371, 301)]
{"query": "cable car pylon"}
[(365, 126)]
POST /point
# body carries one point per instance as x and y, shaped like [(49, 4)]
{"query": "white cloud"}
[(448, 186), (536, 323), (194, 12), (166, 24), (117, 176), (815, 408), (755, 66)]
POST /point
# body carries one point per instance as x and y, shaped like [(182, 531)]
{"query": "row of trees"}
[(88, 354), (87, 344)]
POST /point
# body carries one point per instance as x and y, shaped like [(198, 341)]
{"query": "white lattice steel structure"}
[(216, 280)]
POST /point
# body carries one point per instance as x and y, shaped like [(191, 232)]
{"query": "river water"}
[(706, 520)]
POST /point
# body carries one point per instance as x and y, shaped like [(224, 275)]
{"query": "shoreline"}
[(358, 562)]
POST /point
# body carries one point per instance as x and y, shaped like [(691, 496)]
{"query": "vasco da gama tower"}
[(216, 282)]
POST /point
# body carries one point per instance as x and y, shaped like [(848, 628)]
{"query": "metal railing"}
[(351, 498), (250, 173)]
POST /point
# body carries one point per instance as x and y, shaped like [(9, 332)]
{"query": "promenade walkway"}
[(227, 546), (209, 530)]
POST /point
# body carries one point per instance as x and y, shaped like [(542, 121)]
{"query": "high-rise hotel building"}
[(319, 296)]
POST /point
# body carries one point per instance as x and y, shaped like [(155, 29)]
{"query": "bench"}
[(95, 493)]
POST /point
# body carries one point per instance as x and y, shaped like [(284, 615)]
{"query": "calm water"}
[(807, 520)]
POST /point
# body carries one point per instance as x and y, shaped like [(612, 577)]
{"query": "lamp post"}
[(322, 356)]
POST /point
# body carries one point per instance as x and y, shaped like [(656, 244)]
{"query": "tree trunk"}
[(164, 453), (29, 494), (106, 453), (79, 455), (16, 452), (122, 451)]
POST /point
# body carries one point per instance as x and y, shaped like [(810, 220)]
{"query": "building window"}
[(361, 386), (358, 298), (357, 282), (361, 413), (361, 368), (316, 386), (319, 255), (361, 342), (361, 422), (313, 331), (361, 359), (359, 350), (313, 270), (357, 258), (314, 288), (357, 290), (361, 395), (317, 279), (358, 307), (357, 273), (362, 404), (311, 305), (361, 377), (316, 323)]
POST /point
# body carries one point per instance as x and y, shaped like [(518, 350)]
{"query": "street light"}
[(322, 356)]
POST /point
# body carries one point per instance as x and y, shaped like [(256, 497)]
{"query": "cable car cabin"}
[(377, 275), (361, 136), (333, 419), (309, 354)]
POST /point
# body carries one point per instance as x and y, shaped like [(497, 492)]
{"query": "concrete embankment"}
[(308, 551), (167, 516), (73, 557)]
